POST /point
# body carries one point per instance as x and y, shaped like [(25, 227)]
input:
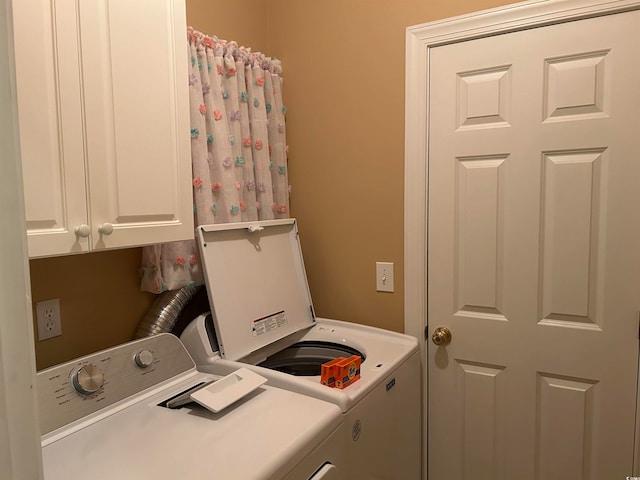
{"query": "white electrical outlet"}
[(48, 317)]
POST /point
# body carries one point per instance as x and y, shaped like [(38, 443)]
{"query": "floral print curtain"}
[(238, 151)]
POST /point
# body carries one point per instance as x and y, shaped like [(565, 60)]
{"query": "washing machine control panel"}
[(73, 390)]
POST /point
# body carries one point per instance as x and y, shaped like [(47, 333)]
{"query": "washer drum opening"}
[(305, 358)]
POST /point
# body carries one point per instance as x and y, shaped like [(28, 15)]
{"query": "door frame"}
[(20, 451), (419, 40)]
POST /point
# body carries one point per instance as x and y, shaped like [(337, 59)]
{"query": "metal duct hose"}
[(163, 313)]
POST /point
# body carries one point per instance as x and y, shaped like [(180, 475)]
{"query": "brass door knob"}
[(441, 336)]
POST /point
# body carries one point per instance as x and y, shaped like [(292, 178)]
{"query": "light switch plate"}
[(384, 276)]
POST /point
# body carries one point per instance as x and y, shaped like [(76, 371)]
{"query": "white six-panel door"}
[(534, 252)]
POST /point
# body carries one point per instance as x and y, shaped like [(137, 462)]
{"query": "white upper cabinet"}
[(50, 122), (104, 123)]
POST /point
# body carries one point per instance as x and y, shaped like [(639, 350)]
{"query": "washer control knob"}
[(87, 380), (144, 358)]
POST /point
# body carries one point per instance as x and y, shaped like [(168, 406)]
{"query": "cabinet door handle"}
[(82, 230), (105, 229)]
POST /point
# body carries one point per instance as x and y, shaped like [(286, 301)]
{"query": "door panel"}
[(533, 252), (51, 131), (137, 121)]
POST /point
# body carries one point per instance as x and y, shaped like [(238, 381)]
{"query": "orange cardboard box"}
[(347, 371), (328, 372)]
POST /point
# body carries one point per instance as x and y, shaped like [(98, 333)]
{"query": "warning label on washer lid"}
[(268, 323)]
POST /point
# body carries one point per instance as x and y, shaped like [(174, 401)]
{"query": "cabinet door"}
[(50, 120), (134, 64)]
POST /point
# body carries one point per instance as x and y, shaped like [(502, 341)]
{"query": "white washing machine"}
[(262, 318), (108, 416)]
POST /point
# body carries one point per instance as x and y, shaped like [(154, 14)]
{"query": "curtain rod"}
[(225, 48)]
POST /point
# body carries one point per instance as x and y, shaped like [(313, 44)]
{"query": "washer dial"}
[(87, 379), (144, 358)]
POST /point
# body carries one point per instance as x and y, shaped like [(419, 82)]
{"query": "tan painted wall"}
[(344, 90), (241, 20), (343, 67), (100, 301)]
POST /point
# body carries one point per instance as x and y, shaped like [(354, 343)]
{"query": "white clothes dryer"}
[(262, 318), (126, 413)]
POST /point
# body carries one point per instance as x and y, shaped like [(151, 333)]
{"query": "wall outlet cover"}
[(48, 319)]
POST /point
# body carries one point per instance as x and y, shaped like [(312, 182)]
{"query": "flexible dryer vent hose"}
[(163, 313)]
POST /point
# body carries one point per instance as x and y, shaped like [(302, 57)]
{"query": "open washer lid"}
[(256, 283)]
